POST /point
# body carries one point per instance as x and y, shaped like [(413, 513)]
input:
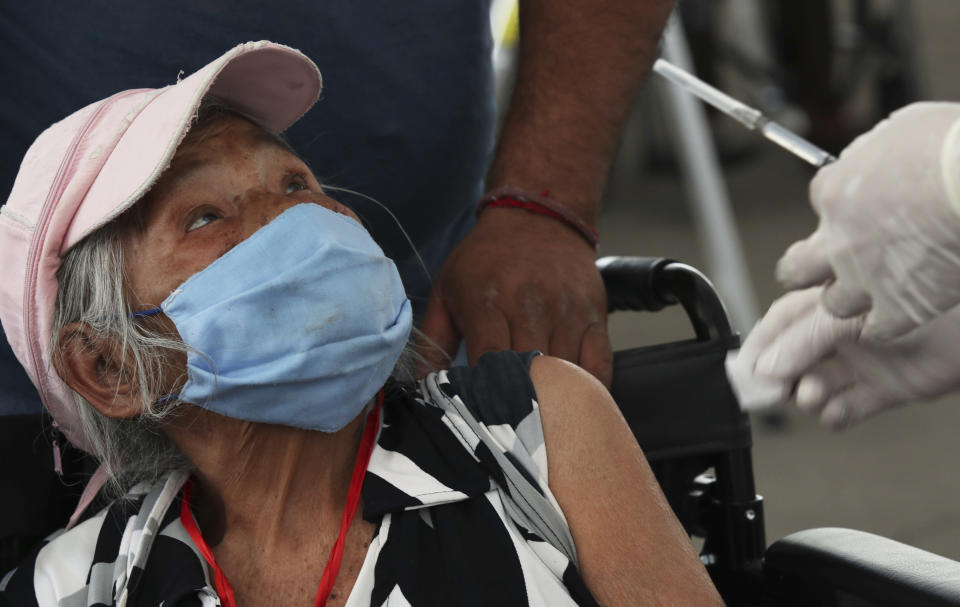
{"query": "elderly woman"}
[(197, 313)]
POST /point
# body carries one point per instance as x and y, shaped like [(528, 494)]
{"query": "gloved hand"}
[(794, 334), (889, 234), (845, 377)]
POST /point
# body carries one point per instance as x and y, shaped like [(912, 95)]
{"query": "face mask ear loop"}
[(154, 312), (150, 312)]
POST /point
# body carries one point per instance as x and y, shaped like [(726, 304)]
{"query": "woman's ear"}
[(93, 366)]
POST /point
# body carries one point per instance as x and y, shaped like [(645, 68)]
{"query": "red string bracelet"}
[(540, 204)]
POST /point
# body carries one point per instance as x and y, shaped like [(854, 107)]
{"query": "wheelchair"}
[(694, 435), (698, 443)]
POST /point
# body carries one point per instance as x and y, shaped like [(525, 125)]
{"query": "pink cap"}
[(94, 164)]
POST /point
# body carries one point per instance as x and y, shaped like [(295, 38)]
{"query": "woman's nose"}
[(262, 207), (325, 201)]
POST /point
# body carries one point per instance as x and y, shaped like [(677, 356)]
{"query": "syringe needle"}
[(751, 118)]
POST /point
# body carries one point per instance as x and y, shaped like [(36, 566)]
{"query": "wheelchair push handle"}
[(652, 283)]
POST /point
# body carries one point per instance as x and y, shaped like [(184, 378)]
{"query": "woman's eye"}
[(202, 220), (295, 185)]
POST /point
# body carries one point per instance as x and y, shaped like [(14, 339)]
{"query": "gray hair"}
[(92, 291)]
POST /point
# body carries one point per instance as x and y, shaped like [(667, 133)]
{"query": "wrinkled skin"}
[(524, 282)]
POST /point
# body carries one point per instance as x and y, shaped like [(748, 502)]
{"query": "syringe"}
[(751, 118)]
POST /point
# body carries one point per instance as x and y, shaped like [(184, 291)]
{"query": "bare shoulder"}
[(577, 412), (563, 388), (632, 549), (547, 370)]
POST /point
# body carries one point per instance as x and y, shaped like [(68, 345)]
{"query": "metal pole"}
[(706, 188)]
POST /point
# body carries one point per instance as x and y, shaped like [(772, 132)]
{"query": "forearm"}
[(581, 63)]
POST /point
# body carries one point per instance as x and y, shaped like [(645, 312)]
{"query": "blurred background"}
[(828, 69)]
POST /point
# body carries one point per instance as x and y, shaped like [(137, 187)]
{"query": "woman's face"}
[(218, 190)]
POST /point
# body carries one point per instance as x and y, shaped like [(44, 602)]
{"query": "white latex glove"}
[(794, 334), (889, 234), (845, 377)]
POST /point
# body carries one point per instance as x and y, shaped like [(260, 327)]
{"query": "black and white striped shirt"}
[(449, 528)]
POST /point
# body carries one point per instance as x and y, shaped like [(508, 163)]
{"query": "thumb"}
[(805, 264), (439, 339), (846, 299)]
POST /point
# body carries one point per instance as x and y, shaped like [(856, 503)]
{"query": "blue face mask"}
[(300, 324)]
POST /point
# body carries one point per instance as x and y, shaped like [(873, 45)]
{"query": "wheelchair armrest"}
[(651, 283), (832, 566)]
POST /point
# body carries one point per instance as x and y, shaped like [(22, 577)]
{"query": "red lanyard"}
[(336, 555)]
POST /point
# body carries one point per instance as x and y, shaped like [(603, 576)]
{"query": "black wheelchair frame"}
[(678, 402)]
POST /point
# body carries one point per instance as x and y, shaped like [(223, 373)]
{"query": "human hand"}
[(865, 377), (843, 376), (524, 282), (889, 234), (794, 334)]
